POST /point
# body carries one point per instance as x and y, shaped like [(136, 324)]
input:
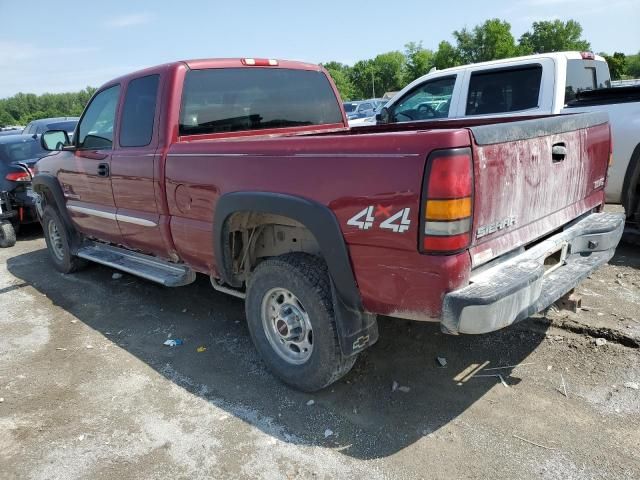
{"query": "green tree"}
[(553, 36), (633, 65), (25, 107), (617, 65), (489, 41), (446, 56), (341, 77), (418, 61), (374, 77)]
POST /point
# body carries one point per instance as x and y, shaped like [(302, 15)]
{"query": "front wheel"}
[(58, 244), (292, 323)]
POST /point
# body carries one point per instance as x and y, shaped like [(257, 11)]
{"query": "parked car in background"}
[(370, 120), (38, 127), (549, 83), (18, 155), (359, 109), (10, 130), (320, 228)]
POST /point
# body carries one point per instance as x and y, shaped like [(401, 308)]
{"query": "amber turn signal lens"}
[(448, 209)]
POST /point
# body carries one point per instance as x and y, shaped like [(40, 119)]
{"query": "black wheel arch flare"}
[(357, 329)]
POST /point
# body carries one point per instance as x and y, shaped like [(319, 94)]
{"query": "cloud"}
[(130, 20)]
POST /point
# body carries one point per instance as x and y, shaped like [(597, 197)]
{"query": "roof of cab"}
[(203, 63)]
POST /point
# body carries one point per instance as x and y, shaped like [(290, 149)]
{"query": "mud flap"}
[(357, 330)]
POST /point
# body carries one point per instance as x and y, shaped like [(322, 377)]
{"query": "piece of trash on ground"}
[(201, 349), (442, 361), (116, 276), (632, 385), (601, 341), (173, 342), (404, 389), (496, 375), (533, 443), (1, 400), (89, 347), (310, 402), (394, 386), (327, 433)]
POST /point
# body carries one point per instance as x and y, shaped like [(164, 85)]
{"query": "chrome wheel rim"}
[(55, 240), (287, 326)]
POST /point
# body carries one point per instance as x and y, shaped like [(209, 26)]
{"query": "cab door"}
[(85, 175), (136, 169)]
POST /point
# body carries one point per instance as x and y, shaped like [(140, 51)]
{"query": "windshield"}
[(20, 151), (350, 107), (66, 126)]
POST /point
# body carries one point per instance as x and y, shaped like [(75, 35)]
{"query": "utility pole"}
[(373, 85)]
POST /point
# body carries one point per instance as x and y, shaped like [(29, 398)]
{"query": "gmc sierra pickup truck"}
[(245, 170)]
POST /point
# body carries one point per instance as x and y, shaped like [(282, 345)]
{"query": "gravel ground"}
[(88, 390)]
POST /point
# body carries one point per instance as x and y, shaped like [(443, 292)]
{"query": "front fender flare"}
[(46, 181)]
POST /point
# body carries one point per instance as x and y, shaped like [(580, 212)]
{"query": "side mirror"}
[(54, 140), (384, 116)]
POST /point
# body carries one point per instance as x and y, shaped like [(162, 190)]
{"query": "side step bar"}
[(145, 266)]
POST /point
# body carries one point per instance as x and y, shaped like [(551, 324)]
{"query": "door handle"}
[(103, 169), (558, 152)]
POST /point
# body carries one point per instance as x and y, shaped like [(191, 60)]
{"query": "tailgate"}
[(533, 176)]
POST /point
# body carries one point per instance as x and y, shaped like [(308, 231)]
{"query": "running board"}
[(145, 266)]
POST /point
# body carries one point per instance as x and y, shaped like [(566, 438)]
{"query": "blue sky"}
[(65, 46)]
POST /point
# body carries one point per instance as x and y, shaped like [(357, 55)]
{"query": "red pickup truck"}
[(245, 170)]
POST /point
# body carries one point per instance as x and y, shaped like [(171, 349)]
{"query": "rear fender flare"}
[(356, 328)]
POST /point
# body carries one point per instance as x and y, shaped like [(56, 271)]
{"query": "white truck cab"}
[(532, 85)]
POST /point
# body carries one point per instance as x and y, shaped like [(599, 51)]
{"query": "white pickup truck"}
[(535, 85)]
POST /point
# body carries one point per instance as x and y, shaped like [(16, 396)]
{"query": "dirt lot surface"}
[(88, 390)]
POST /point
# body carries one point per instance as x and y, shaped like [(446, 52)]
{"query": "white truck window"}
[(430, 100), (585, 75), (504, 90)]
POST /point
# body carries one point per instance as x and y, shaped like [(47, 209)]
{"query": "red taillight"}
[(447, 204), (19, 177), (587, 55), (260, 62)]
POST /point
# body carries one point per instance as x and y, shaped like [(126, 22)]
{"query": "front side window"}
[(428, 101), (585, 75), (96, 126), (30, 129), (505, 90), (240, 99), (139, 112)]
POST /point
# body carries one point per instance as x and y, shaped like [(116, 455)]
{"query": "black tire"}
[(306, 276), (7, 235), (60, 255)]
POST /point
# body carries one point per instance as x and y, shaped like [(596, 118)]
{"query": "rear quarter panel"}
[(346, 173)]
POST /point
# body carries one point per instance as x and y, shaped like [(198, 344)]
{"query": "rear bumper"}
[(518, 288)]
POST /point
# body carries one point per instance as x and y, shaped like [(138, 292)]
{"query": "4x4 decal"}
[(397, 222)]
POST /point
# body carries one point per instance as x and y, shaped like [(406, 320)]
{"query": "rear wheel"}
[(292, 324), (58, 244), (7, 234)]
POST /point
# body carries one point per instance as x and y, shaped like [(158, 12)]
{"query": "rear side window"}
[(237, 99), (504, 90), (585, 75), (139, 112)]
